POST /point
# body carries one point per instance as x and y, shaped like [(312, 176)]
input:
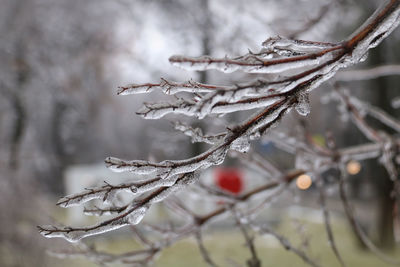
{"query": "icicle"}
[(217, 157), (303, 106), (241, 145), (136, 216)]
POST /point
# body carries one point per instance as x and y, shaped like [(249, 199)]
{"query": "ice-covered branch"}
[(214, 103), (324, 60), (350, 51), (358, 119), (359, 109), (169, 87), (131, 215), (236, 139), (304, 66), (252, 63), (389, 145), (368, 74), (197, 135), (108, 192)]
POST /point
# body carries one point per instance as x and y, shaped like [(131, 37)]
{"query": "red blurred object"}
[(229, 179)]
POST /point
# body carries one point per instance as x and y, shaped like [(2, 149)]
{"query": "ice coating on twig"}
[(136, 166), (197, 135), (106, 192), (215, 104), (158, 110), (97, 211), (252, 64), (295, 45), (168, 87), (74, 235), (377, 113), (185, 181), (132, 214)]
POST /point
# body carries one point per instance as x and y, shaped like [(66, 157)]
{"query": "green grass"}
[(224, 245)]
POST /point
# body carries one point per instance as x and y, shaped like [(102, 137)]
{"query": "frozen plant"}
[(303, 66)]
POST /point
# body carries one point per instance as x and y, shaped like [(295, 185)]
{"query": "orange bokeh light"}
[(303, 182), (353, 167)]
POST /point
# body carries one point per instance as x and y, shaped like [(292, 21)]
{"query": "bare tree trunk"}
[(22, 74), (384, 186)]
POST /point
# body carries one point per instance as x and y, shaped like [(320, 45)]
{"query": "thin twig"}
[(264, 229), (327, 221), (203, 251), (254, 261)]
